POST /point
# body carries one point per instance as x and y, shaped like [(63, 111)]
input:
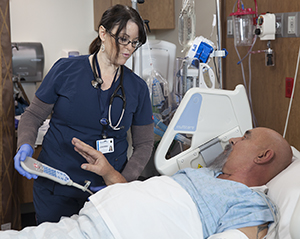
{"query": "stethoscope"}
[(97, 82)]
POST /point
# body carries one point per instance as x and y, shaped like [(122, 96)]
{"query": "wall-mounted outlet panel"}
[(287, 25), (279, 24), (292, 24)]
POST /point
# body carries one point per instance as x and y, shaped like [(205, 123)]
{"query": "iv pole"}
[(219, 42), (138, 53), (134, 3)]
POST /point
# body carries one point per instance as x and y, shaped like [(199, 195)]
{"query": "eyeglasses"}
[(124, 40)]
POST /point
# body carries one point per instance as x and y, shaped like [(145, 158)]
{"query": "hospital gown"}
[(223, 204)]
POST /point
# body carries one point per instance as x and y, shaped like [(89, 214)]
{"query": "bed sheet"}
[(284, 190)]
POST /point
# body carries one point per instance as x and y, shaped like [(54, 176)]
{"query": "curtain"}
[(9, 206)]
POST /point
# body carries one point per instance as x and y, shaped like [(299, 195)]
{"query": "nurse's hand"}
[(97, 163), (24, 151), (97, 188)]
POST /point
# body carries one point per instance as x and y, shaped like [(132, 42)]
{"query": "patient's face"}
[(245, 149), (219, 162)]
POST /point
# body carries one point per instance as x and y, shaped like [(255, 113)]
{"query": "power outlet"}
[(291, 24), (229, 27), (289, 83), (287, 24)]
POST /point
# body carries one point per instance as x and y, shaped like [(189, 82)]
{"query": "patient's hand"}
[(97, 163)]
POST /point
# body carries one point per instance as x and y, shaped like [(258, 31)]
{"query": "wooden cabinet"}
[(160, 13)]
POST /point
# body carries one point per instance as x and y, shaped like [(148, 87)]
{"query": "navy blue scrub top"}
[(78, 108)]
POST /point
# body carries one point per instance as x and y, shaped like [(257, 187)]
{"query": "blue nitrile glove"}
[(97, 188), (24, 151)]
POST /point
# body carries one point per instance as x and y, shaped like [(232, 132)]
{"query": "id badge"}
[(105, 145)]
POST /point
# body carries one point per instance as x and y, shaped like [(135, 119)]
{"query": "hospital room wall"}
[(268, 83), (58, 25), (69, 25)]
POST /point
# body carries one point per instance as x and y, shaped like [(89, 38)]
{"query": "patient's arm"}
[(255, 232), (97, 163)]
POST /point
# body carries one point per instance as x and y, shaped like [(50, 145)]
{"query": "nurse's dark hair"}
[(119, 15)]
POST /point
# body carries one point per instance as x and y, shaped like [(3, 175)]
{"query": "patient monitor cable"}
[(274, 210), (32, 165), (292, 95)]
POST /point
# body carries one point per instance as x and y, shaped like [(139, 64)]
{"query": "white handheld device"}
[(33, 166)]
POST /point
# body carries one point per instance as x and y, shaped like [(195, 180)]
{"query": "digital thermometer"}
[(33, 166)]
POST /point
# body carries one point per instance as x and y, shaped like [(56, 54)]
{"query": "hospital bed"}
[(210, 117)]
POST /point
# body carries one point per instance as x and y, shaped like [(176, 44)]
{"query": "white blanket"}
[(156, 208), (88, 224)]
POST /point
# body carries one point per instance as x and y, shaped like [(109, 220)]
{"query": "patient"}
[(193, 203)]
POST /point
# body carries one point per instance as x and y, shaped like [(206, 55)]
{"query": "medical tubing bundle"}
[(250, 94), (292, 95), (274, 210), (157, 85), (249, 51), (248, 89), (163, 128)]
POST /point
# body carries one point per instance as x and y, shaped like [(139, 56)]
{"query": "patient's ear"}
[(264, 157)]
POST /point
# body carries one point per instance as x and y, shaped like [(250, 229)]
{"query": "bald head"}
[(282, 151), (257, 157)]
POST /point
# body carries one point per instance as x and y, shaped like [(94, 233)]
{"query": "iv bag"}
[(186, 24), (161, 99), (158, 88)]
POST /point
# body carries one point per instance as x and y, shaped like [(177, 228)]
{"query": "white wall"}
[(57, 24), (68, 25)]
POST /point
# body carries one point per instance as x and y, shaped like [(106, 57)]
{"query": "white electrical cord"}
[(292, 96)]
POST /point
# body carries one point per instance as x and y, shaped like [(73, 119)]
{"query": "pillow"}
[(284, 190)]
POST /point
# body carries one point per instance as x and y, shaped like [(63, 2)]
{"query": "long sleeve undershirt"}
[(142, 137)]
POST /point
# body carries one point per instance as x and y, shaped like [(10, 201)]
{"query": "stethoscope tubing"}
[(98, 83)]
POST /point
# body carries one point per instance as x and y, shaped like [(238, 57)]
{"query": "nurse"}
[(94, 98)]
